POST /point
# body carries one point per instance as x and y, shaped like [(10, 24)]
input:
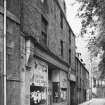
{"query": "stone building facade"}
[(13, 53), (82, 82), (40, 53), (73, 70)]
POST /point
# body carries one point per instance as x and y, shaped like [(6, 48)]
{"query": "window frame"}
[(70, 36), (62, 47), (69, 56), (61, 22), (44, 30), (44, 38)]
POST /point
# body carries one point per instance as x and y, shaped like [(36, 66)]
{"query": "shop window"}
[(56, 92), (38, 95), (59, 94), (63, 94), (39, 83)]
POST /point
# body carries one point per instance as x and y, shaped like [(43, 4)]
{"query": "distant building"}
[(82, 82), (98, 85)]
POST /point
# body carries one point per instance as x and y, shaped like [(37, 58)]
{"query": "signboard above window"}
[(39, 73)]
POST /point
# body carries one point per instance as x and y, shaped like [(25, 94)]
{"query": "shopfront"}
[(44, 83), (47, 88), (59, 86), (39, 83), (73, 97)]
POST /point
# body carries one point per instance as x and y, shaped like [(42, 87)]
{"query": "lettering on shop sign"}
[(40, 74)]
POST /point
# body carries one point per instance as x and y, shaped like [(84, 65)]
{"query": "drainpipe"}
[(5, 2)]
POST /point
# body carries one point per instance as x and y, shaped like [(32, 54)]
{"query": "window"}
[(61, 42), (44, 23), (94, 82), (63, 94), (44, 31), (69, 36), (97, 83), (59, 94), (44, 2), (69, 56), (56, 92), (44, 38), (61, 23), (38, 95), (44, 5), (64, 6)]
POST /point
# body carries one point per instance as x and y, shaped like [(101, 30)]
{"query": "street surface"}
[(95, 101)]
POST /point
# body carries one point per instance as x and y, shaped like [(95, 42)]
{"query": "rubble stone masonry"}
[(28, 23)]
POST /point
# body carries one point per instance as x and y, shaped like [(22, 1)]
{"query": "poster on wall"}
[(63, 86), (63, 79), (39, 83)]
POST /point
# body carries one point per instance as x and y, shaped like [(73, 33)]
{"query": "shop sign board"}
[(40, 73)]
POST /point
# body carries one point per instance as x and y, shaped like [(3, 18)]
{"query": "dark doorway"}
[(72, 93)]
